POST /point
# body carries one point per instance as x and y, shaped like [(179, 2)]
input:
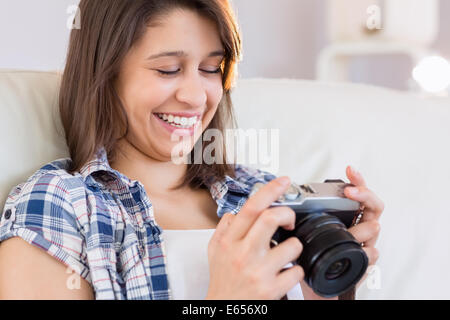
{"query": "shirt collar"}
[(92, 171)]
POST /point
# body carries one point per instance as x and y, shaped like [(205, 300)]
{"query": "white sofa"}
[(397, 140)]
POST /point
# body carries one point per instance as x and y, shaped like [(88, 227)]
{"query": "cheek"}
[(144, 101), (215, 94)]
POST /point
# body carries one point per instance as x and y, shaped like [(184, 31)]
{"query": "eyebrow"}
[(218, 53)]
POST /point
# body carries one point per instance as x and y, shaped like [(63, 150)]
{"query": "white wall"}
[(281, 39), (33, 33)]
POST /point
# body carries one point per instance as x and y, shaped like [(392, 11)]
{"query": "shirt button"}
[(8, 214), (142, 251)]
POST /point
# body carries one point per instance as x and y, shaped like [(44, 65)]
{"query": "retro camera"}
[(333, 261)]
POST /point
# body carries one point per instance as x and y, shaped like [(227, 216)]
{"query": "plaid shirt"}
[(101, 224)]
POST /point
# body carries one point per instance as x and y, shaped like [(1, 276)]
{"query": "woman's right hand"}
[(242, 264)]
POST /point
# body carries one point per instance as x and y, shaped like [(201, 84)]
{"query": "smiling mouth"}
[(177, 121)]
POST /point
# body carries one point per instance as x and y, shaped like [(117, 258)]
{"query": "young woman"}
[(120, 219)]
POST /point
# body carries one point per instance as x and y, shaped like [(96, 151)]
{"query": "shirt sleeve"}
[(40, 211)]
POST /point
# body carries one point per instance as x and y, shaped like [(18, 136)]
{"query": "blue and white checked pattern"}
[(101, 224)]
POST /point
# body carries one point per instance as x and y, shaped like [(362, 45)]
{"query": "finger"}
[(288, 278), (355, 177), (372, 253), (256, 204), (366, 232), (369, 215), (262, 231), (223, 225), (284, 253), (372, 242), (217, 238), (368, 199)]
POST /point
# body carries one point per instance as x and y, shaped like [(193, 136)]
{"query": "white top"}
[(188, 268)]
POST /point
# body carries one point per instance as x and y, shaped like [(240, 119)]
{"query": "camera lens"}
[(337, 269), (333, 261)]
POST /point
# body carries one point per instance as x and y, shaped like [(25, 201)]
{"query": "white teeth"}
[(180, 122)]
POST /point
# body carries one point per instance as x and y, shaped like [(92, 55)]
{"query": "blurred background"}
[(399, 44)]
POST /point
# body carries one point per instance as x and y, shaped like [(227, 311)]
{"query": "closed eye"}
[(168, 73)]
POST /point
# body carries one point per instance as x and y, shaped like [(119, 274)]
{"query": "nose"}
[(192, 91)]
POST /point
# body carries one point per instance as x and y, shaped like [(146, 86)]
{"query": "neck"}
[(157, 176)]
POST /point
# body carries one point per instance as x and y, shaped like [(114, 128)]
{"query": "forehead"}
[(182, 30)]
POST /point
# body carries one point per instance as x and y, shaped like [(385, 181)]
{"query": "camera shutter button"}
[(292, 193)]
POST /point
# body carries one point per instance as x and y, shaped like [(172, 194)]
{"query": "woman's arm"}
[(27, 272)]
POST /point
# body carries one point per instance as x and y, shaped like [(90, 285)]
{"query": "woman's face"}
[(189, 96)]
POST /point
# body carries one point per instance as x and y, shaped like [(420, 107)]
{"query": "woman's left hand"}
[(368, 228)]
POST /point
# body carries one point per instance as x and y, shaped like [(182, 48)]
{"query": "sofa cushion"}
[(29, 124)]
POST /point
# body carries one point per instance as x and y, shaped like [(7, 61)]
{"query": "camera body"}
[(333, 261)]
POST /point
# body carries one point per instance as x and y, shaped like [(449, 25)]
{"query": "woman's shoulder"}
[(51, 176), (51, 185), (41, 211)]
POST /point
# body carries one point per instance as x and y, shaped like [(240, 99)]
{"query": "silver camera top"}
[(314, 197)]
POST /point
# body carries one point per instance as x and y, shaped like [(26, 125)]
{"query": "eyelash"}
[(166, 73)]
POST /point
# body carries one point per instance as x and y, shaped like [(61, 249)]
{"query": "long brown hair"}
[(91, 111)]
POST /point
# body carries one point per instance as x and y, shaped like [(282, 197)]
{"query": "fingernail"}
[(353, 170)]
